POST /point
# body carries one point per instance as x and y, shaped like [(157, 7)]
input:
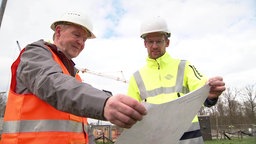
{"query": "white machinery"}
[(122, 79)]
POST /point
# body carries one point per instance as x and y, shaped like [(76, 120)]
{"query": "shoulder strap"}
[(141, 85), (180, 76)]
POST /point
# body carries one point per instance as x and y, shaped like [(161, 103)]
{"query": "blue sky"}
[(217, 36), (114, 16)]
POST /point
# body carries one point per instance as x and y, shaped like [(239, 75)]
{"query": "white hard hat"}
[(155, 24), (75, 18)]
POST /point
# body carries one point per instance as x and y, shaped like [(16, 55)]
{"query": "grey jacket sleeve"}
[(39, 74)]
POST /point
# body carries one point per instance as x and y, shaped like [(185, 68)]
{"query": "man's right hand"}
[(123, 110)]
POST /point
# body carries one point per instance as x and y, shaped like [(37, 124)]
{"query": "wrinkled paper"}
[(165, 123)]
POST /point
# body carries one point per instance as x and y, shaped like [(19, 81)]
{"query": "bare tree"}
[(250, 102), (229, 99), (221, 111), (235, 110)]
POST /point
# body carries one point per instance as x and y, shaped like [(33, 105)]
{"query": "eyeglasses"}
[(157, 42)]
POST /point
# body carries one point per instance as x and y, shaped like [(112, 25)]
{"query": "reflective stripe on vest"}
[(193, 135), (162, 90), (197, 140), (43, 126)]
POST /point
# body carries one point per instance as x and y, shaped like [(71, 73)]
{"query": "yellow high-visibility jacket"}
[(165, 79)]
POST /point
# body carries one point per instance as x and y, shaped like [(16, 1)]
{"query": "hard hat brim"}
[(54, 24), (168, 34)]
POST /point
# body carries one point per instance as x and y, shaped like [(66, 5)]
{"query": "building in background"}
[(205, 125)]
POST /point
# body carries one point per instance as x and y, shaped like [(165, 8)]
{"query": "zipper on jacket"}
[(158, 67)]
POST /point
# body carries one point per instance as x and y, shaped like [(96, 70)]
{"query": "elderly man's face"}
[(70, 39)]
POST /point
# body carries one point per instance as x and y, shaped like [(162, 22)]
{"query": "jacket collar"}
[(159, 62), (69, 64)]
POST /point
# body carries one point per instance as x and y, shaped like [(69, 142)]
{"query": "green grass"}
[(104, 143), (249, 140)]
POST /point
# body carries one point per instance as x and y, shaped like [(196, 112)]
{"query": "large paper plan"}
[(165, 123)]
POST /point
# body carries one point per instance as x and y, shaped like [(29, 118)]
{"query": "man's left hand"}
[(217, 86)]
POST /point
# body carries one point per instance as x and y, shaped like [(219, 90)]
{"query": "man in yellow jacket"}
[(165, 78)]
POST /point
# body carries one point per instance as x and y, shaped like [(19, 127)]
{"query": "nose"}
[(155, 44), (81, 41)]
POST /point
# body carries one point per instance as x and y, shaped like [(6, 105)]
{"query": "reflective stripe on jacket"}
[(165, 79), (29, 120)]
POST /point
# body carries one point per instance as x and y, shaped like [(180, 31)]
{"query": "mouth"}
[(76, 47), (155, 52)]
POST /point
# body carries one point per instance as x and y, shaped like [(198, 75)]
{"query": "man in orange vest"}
[(48, 103)]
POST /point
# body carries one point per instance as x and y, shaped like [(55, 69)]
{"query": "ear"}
[(145, 44), (167, 42), (57, 31)]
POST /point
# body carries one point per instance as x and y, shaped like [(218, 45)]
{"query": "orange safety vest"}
[(30, 120)]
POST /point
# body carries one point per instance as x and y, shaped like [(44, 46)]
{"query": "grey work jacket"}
[(39, 74)]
